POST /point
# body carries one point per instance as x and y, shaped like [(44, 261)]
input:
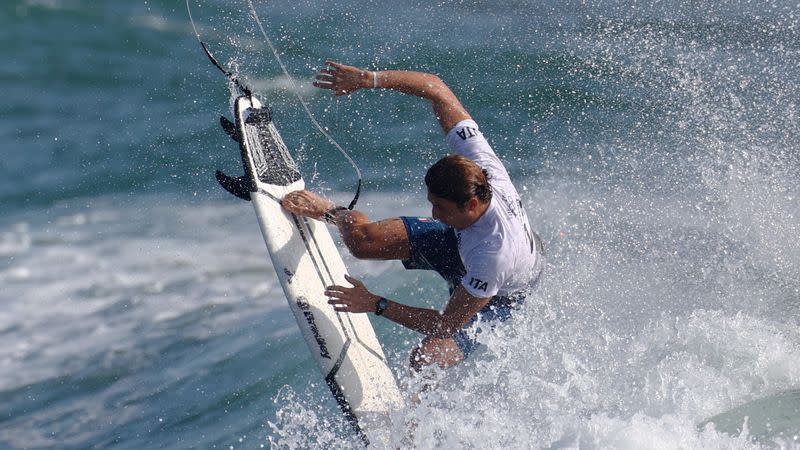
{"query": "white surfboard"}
[(306, 261)]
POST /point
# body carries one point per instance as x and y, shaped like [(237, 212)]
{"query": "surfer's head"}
[(458, 179), (458, 189)]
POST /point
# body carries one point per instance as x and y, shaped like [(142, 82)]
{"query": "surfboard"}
[(306, 260)]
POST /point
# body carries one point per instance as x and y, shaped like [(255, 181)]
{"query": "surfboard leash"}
[(305, 105), (249, 93), (241, 87)]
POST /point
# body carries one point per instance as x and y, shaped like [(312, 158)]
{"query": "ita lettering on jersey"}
[(467, 132), (478, 284)]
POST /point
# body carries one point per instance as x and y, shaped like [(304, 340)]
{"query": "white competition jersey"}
[(498, 250)]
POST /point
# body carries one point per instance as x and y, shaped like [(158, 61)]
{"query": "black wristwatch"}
[(330, 215), (380, 306)]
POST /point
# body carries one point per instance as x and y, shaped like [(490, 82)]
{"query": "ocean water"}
[(656, 146)]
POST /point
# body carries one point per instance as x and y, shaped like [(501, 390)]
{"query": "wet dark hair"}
[(458, 179)]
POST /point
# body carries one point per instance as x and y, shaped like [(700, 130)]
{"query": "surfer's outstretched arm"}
[(343, 79)]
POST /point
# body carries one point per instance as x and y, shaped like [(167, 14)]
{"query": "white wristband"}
[(375, 80)]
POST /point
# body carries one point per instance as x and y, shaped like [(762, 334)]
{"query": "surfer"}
[(478, 238)]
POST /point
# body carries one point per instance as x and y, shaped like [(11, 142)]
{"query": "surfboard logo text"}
[(312, 324)]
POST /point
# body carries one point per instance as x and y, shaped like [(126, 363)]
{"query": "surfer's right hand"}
[(307, 204), (342, 79)]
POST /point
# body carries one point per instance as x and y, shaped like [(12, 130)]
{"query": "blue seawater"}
[(656, 146)]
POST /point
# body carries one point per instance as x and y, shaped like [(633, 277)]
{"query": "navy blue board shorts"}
[(434, 247)]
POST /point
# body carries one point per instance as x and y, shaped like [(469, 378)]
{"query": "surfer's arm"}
[(430, 322), (385, 239), (343, 79), (446, 106), (461, 307)]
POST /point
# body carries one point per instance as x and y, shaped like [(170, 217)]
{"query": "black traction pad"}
[(271, 159)]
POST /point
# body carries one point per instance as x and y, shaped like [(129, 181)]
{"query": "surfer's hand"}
[(307, 204), (356, 299), (342, 79)]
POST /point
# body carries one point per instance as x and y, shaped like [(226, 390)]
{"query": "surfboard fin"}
[(238, 186), (229, 128)]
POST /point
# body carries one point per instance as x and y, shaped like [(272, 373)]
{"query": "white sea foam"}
[(88, 282), (15, 240)]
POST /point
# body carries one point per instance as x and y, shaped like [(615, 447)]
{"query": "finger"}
[(354, 281), (335, 292), (288, 201), (333, 64), (323, 85), (324, 77), (296, 194), (327, 72)]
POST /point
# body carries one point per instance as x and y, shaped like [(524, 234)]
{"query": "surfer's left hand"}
[(306, 203), (342, 79), (356, 299)]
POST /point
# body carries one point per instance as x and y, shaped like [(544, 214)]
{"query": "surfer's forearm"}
[(358, 299), (460, 308), (422, 320), (343, 80)]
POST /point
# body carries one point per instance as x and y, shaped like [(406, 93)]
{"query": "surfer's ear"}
[(472, 204)]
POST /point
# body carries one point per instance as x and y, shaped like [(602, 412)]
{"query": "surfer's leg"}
[(444, 352), (430, 353), (499, 309)]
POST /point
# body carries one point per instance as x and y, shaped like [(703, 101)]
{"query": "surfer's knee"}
[(442, 351), (418, 359)]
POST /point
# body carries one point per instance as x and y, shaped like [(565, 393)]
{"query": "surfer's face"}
[(449, 213)]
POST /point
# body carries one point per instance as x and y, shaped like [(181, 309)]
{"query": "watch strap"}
[(330, 215)]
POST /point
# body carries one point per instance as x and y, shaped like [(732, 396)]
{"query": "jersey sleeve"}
[(466, 139), (483, 277)]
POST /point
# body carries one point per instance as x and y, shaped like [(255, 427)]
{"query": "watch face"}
[(380, 306)]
